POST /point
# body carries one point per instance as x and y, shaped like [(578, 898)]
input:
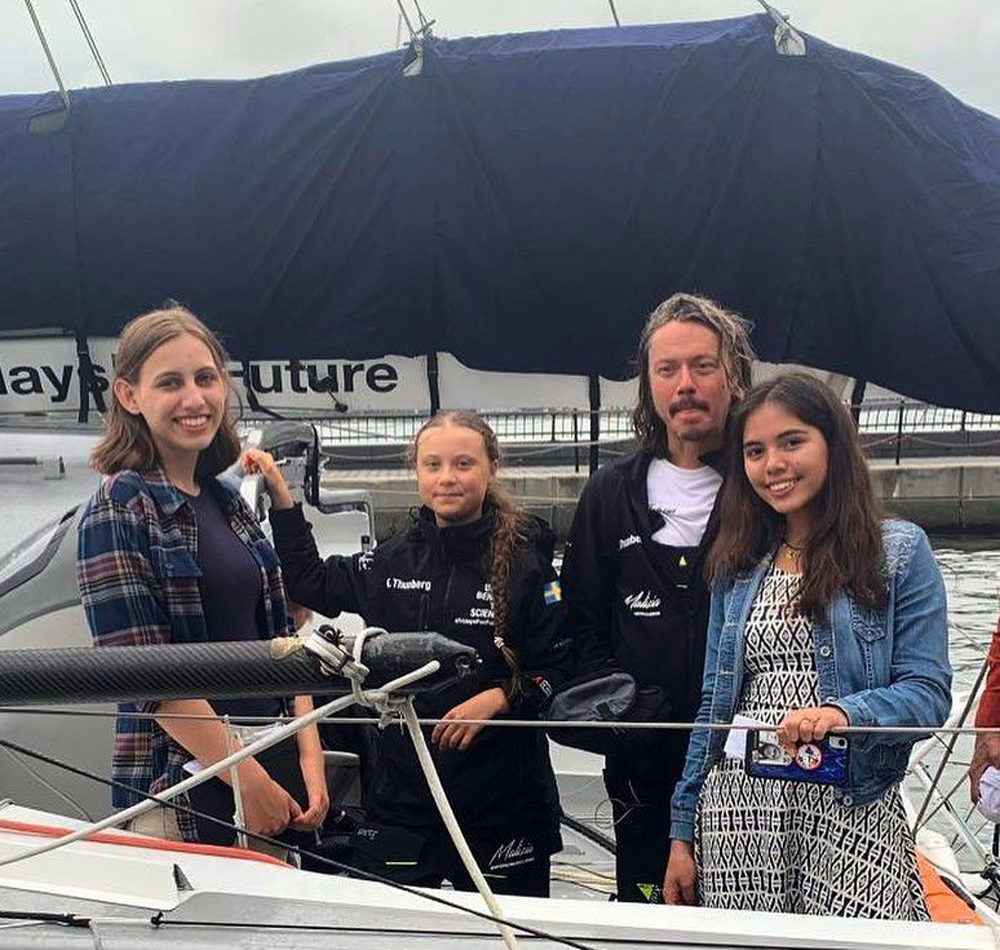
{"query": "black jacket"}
[(638, 604), (430, 578)]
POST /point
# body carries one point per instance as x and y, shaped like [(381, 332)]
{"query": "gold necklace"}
[(794, 551)]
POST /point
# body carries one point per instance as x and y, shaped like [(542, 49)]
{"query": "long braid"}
[(512, 528)]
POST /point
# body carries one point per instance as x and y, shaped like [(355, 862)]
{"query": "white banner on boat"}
[(41, 376), (461, 387), (387, 384)]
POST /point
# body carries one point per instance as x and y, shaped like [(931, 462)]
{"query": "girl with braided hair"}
[(476, 569)]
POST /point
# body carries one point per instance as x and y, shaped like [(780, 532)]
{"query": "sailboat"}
[(466, 209)]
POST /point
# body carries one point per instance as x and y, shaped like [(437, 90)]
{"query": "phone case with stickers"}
[(823, 762)]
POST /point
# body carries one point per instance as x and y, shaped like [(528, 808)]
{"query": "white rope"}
[(265, 742), (233, 744), (451, 823), (356, 653)]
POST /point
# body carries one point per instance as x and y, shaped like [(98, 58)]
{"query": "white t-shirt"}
[(989, 795), (684, 496)]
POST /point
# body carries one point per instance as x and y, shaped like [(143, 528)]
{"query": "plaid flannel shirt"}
[(138, 574)]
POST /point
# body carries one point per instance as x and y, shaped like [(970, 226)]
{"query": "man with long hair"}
[(632, 574)]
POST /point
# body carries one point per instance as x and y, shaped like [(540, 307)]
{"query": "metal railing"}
[(902, 427), (515, 425), (904, 415), (527, 437), (889, 428)]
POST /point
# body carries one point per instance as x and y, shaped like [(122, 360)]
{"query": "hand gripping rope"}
[(330, 648)]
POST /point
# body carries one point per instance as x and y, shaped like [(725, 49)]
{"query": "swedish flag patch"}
[(552, 593)]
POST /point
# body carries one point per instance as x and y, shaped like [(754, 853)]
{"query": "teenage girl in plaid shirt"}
[(168, 553)]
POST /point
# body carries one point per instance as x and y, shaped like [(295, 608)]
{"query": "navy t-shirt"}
[(231, 593)]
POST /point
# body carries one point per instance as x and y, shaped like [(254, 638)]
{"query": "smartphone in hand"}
[(823, 762)]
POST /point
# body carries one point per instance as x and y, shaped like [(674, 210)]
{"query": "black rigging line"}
[(614, 12), (424, 22), (406, 18), (45, 783), (91, 42), (66, 920), (591, 834), (158, 920)]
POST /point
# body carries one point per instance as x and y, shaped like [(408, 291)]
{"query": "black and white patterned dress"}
[(780, 846)]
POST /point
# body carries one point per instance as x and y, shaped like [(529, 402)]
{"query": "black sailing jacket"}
[(637, 604), (431, 578)]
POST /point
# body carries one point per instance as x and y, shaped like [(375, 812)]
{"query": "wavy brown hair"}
[(844, 549), (511, 528), (127, 442), (735, 353)]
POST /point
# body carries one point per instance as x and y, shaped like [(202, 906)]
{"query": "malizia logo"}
[(644, 603), (512, 853)]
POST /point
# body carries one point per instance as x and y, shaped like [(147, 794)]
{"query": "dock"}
[(958, 493)]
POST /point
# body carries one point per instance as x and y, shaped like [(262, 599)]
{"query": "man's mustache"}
[(681, 404)]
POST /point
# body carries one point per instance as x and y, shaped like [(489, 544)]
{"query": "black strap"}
[(594, 398), (91, 386), (433, 382), (252, 399)]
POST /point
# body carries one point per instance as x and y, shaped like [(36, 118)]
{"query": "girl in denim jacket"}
[(822, 617)]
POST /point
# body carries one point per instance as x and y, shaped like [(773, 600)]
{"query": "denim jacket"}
[(880, 667)]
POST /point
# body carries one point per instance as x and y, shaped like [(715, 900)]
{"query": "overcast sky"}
[(956, 43)]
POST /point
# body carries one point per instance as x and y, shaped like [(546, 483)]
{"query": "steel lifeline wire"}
[(160, 920), (387, 700), (518, 723)]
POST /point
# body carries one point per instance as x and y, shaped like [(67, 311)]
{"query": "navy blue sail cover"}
[(523, 203)]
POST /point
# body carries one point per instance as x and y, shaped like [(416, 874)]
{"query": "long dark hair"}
[(127, 442), (844, 550), (735, 353), (511, 528)]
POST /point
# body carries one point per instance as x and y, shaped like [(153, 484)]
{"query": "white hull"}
[(220, 901)]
